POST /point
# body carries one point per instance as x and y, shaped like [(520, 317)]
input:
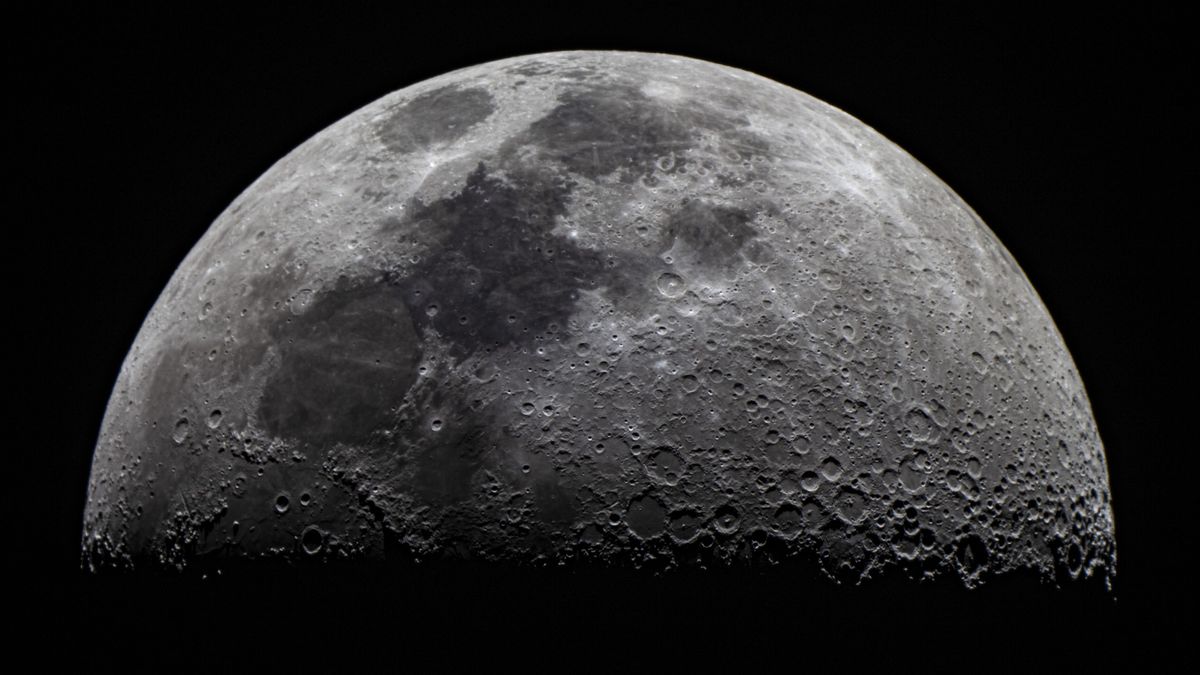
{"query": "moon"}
[(618, 308)]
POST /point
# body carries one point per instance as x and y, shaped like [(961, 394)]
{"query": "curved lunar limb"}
[(611, 308)]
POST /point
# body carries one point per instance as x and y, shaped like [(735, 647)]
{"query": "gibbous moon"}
[(615, 308)]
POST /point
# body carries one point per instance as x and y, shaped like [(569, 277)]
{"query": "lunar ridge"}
[(602, 308)]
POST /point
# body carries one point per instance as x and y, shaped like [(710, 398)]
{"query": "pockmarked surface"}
[(612, 308)]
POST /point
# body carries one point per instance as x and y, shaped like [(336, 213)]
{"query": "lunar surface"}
[(607, 308)]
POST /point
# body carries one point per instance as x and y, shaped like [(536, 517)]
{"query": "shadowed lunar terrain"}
[(602, 308)]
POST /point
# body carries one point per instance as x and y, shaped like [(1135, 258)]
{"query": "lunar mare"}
[(611, 308)]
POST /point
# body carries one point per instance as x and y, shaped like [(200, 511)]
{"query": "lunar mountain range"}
[(609, 308)]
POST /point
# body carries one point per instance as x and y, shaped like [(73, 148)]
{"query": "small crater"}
[(788, 520), (810, 481), (671, 285), (689, 384), (312, 539), (646, 517), (684, 526), (850, 505), (831, 469), (665, 466), (180, 433), (830, 280), (971, 555), (301, 302), (727, 519)]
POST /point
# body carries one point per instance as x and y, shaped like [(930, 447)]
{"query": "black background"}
[(134, 129)]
